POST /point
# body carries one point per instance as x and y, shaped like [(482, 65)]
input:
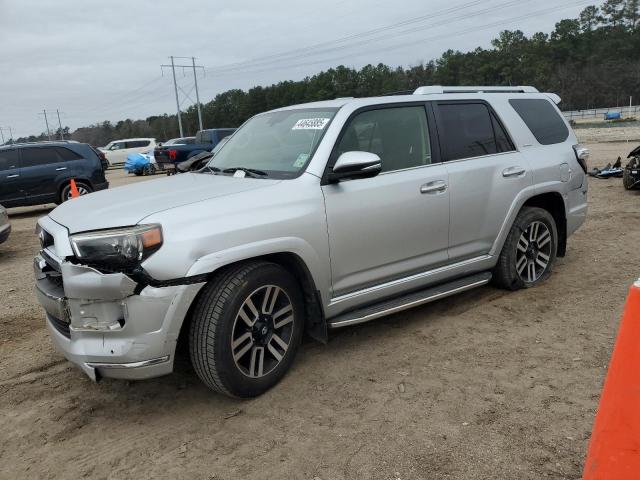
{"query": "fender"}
[(319, 270), (516, 206)]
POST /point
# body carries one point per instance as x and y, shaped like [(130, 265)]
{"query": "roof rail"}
[(435, 89)]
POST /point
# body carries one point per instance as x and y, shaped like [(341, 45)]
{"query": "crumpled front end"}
[(106, 323)]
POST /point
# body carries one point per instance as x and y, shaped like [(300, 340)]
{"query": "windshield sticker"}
[(311, 124), (301, 160)]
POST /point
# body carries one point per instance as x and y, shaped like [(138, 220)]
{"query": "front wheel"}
[(246, 328), (529, 252)]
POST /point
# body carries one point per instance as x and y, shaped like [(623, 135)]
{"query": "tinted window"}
[(503, 142), (8, 159), (138, 143), (39, 156), (542, 119), (399, 136), (66, 154), (467, 130)]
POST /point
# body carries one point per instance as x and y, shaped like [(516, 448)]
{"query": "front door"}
[(11, 192), (396, 224)]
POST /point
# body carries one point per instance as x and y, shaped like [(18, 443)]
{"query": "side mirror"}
[(351, 165)]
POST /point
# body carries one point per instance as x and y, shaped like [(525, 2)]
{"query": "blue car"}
[(37, 173)]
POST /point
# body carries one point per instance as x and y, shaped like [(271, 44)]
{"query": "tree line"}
[(591, 61)]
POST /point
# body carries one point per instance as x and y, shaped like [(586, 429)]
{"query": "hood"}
[(128, 205)]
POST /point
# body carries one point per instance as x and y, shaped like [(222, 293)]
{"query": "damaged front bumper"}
[(103, 325)]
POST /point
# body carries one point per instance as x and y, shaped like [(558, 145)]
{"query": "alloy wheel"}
[(262, 331), (81, 190), (533, 251)]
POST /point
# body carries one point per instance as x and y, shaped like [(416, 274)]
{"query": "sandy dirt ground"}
[(487, 384)]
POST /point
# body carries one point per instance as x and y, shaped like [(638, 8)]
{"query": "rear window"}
[(471, 130), (542, 119), (8, 159)]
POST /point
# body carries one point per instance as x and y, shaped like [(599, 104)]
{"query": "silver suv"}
[(312, 217)]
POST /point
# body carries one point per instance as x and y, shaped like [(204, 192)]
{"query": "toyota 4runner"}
[(310, 218)]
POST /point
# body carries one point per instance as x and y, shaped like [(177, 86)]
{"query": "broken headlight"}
[(118, 248)]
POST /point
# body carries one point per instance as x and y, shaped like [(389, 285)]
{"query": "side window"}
[(467, 130), (66, 154), (398, 135), (8, 159), (542, 119), (38, 156), (503, 142)]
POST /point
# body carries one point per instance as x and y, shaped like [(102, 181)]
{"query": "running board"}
[(387, 307)]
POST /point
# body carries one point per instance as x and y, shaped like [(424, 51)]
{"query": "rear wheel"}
[(627, 179), (246, 328), (529, 252), (83, 189)]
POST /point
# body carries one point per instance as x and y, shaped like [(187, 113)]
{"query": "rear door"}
[(11, 192), (41, 171), (486, 173)]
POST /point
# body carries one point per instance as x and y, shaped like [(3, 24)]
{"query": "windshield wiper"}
[(252, 172)]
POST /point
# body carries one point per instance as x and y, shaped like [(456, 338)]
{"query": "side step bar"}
[(387, 307)]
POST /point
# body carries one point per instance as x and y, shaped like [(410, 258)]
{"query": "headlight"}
[(117, 248)]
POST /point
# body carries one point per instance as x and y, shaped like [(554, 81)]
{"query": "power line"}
[(436, 37), (332, 45)]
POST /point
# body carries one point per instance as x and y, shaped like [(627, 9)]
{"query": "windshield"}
[(278, 143)]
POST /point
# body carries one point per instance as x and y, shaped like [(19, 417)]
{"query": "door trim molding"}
[(411, 278)]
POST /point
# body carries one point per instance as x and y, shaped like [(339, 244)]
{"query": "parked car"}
[(180, 141), (118, 150), (631, 174), (36, 173), (168, 156), (311, 218), (5, 225)]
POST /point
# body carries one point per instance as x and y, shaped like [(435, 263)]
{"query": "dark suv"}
[(36, 173)]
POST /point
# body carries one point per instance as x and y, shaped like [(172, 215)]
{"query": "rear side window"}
[(138, 144), (8, 159), (66, 154), (471, 130), (399, 136), (542, 119)]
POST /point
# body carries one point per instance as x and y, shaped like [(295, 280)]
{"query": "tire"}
[(525, 266), (232, 348), (65, 194), (627, 179)]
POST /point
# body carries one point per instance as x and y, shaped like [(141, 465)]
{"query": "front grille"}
[(61, 326)]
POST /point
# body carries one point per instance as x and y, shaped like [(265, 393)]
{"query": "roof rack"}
[(435, 89)]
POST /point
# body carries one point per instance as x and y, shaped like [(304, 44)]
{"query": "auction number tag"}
[(311, 124)]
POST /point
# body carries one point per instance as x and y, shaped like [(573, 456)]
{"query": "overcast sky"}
[(99, 60)]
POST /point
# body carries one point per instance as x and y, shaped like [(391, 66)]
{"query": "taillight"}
[(582, 155), (173, 154)]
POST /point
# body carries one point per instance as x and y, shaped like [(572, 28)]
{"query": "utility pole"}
[(175, 87), (60, 124), (2, 135), (44, 112), (195, 78)]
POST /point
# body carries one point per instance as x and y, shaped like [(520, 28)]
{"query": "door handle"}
[(13, 176), (438, 186), (513, 171), (60, 169)]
